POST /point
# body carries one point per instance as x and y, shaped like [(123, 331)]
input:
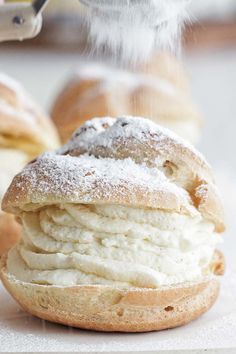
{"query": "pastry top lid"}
[(22, 123), (126, 161)]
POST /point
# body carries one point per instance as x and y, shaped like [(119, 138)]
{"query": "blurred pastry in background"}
[(165, 66), (159, 91), (25, 132), (213, 10), (213, 24)]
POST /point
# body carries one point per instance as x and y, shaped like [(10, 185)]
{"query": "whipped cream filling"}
[(112, 245), (11, 162)]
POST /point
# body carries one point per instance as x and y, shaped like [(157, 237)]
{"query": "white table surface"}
[(214, 87)]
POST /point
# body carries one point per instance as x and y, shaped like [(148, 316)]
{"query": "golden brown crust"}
[(111, 309), (27, 194), (23, 125), (71, 177), (10, 232), (159, 91)]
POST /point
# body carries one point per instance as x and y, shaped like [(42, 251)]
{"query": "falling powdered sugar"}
[(132, 30)]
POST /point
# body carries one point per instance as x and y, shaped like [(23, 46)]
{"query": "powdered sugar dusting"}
[(114, 161), (94, 133), (89, 178)]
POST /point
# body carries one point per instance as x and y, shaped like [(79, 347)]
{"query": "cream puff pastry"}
[(25, 131), (120, 229), (160, 90)]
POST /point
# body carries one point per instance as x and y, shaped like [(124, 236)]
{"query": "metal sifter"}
[(22, 20)]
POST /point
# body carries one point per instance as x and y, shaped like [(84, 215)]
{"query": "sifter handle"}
[(19, 21)]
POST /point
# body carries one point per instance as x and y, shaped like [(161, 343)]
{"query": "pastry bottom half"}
[(106, 308)]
